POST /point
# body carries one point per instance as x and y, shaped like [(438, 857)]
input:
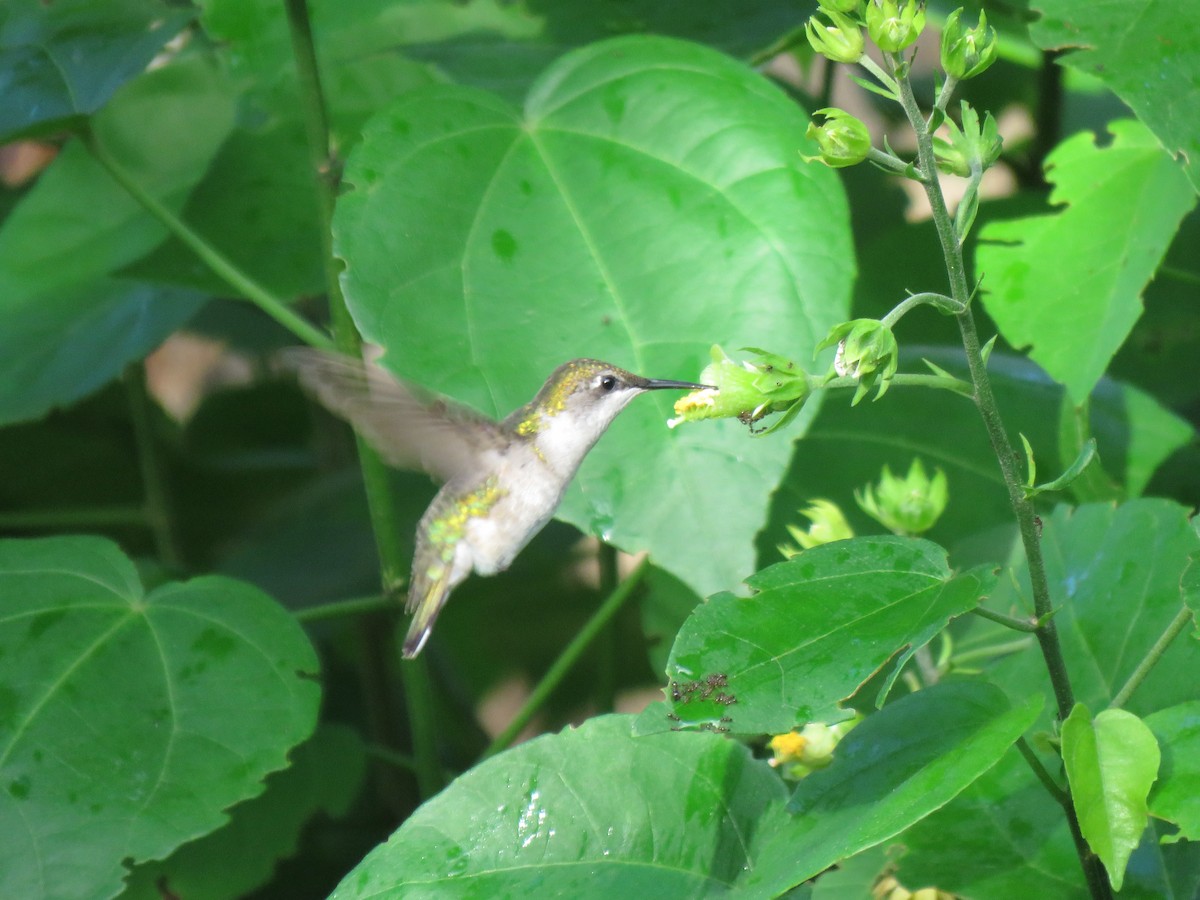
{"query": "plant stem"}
[(1173, 630), (567, 659), (605, 689), (344, 608), (1007, 621), (941, 301), (381, 505), (224, 268), (1027, 523), (942, 382), (991, 651), (1052, 786), (157, 508)]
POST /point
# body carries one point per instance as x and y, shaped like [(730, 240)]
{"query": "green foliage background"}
[(181, 693)]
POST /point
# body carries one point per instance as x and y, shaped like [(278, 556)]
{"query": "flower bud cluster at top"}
[(836, 32)]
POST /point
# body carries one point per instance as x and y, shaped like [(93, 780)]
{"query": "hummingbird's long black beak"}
[(659, 384)]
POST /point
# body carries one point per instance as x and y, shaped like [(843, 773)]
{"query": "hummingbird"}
[(502, 480)]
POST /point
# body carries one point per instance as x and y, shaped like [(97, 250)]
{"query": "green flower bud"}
[(969, 146), (966, 52), (892, 27), (745, 391), (842, 139), (849, 7), (866, 352), (909, 505), (841, 42), (828, 524)]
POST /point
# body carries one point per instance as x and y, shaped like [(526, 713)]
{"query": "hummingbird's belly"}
[(522, 512)]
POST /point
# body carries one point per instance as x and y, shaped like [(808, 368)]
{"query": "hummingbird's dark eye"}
[(608, 382)]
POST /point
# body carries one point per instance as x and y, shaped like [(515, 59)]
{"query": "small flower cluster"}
[(797, 754), (866, 352), (908, 506), (827, 524)]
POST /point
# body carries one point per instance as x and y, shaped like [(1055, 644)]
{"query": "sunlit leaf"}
[(647, 198)]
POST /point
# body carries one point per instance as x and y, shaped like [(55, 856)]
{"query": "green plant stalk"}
[(157, 508), (1150, 660), (985, 402), (224, 268), (941, 382), (567, 659), (1055, 790), (1007, 621), (341, 609), (941, 301), (605, 690), (380, 502)]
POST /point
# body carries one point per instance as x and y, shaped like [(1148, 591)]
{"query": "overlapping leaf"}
[(1176, 794), (818, 626), (63, 60), (648, 199), (894, 769), (1146, 51), (67, 325), (671, 816), (1069, 285), (130, 721)]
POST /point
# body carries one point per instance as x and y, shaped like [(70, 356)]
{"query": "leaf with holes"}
[(648, 201), (819, 626), (129, 721)]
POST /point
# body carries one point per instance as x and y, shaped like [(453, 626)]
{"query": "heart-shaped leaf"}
[(129, 721), (647, 202)]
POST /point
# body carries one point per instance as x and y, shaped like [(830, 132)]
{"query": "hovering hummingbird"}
[(503, 480)]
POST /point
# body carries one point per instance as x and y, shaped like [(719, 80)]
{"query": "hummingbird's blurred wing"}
[(408, 427)]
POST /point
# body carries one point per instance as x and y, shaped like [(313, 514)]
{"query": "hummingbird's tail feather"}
[(430, 590)]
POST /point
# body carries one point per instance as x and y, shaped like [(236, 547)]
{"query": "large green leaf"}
[(1146, 51), (63, 60), (1069, 285), (1111, 762), (648, 200), (129, 721), (818, 627), (1176, 794), (325, 775), (894, 769), (66, 326), (588, 812)]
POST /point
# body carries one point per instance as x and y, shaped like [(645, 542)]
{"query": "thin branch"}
[(567, 659), (1015, 624), (154, 474), (221, 265), (1181, 621), (342, 609)]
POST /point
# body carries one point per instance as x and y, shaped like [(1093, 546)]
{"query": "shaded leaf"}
[(894, 769), (64, 60), (130, 721), (325, 774), (1145, 51), (537, 820), (648, 197), (1176, 795), (1069, 285), (818, 626), (1114, 574), (66, 327), (1111, 761)]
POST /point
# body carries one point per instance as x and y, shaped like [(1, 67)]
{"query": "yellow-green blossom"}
[(910, 505), (828, 524)]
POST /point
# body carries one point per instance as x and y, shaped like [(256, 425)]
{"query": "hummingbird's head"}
[(579, 401)]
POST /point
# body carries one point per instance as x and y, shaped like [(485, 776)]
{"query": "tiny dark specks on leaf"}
[(504, 244), (18, 788)]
